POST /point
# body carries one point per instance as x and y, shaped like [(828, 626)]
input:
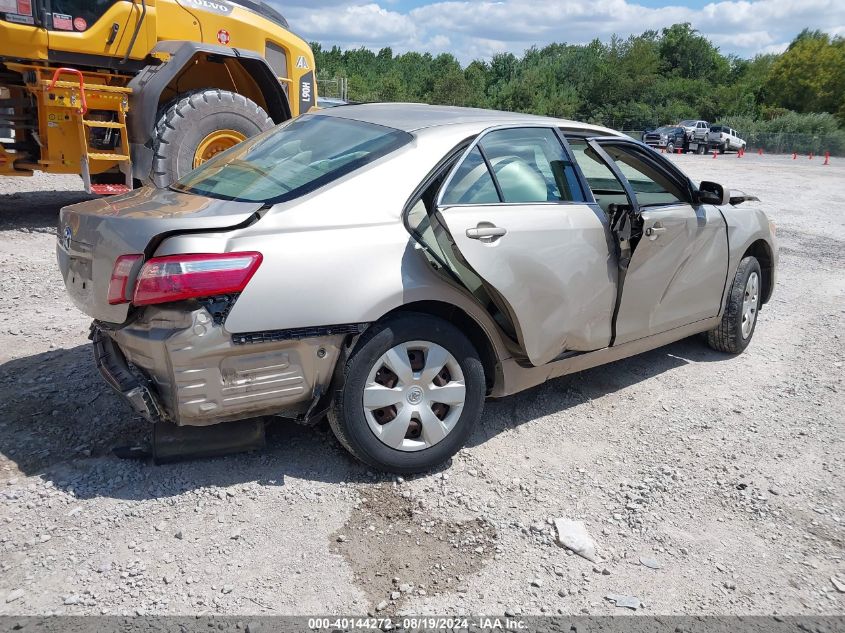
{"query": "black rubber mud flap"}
[(173, 443)]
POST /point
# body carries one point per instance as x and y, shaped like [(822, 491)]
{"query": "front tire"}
[(734, 333), (413, 391), (200, 125)]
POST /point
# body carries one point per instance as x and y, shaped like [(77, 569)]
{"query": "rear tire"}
[(186, 123), (413, 450), (734, 333)]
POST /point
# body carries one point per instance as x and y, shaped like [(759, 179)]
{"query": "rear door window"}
[(517, 166), (471, 183)]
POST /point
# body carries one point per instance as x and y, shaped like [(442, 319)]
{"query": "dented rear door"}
[(517, 217)]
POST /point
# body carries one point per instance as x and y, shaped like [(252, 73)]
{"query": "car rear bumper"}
[(180, 366)]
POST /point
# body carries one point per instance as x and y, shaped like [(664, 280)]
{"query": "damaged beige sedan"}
[(392, 265)]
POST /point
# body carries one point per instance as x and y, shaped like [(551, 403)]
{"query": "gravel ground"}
[(724, 473)]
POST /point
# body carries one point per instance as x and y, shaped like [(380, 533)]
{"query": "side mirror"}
[(713, 193)]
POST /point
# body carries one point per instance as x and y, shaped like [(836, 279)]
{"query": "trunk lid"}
[(91, 236)]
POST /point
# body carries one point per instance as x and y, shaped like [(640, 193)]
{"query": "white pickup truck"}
[(725, 139), (697, 135)]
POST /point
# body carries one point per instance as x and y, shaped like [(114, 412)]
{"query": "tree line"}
[(642, 81)]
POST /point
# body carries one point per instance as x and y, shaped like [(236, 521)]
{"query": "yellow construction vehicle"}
[(129, 92)]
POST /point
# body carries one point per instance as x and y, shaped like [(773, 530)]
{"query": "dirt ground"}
[(725, 473)]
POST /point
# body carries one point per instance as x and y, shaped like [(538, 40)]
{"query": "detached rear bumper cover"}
[(196, 375), (113, 367)]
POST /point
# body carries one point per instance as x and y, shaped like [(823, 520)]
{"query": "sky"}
[(478, 29)]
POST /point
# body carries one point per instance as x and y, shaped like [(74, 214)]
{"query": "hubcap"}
[(414, 395), (749, 304), (216, 142)]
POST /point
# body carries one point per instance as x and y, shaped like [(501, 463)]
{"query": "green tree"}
[(810, 75), (690, 54)]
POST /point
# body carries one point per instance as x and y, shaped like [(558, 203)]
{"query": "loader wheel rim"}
[(216, 142)]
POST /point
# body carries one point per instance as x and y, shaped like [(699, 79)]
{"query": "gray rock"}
[(537, 582), (651, 563), (627, 602), (837, 584), (74, 599), (179, 534), (573, 535), (228, 588), (13, 595), (381, 606)]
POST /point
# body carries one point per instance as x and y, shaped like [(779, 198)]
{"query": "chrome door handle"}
[(486, 232), (653, 232)]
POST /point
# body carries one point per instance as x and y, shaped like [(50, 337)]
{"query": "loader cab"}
[(101, 33)]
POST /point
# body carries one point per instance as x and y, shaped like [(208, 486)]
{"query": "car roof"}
[(411, 117)]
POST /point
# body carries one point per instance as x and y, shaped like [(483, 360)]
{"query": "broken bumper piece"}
[(113, 367)]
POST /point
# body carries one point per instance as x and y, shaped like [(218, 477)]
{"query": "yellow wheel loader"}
[(129, 92)]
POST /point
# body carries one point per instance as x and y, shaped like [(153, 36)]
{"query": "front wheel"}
[(740, 318), (412, 394), (670, 148), (200, 125)]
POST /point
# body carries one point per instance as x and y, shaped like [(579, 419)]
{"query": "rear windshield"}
[(688, 123), (718, 128), (293, 159)]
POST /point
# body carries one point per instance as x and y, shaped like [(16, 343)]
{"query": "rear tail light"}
[(120, 274), (177, 277)]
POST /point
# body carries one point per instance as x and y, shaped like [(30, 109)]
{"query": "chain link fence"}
[(785, 142)]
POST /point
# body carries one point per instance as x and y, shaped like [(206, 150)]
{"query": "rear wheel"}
[(199, 126), (670, 148), (413, 392), (740, 318)]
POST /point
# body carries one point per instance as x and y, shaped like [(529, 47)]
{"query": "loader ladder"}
[(80, 98)]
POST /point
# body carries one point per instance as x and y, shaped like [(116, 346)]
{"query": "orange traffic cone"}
[(794, 155), (760, 151), (826, 158), (715, 154)]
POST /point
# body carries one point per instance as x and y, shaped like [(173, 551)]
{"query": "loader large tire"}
[(214, 119)]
